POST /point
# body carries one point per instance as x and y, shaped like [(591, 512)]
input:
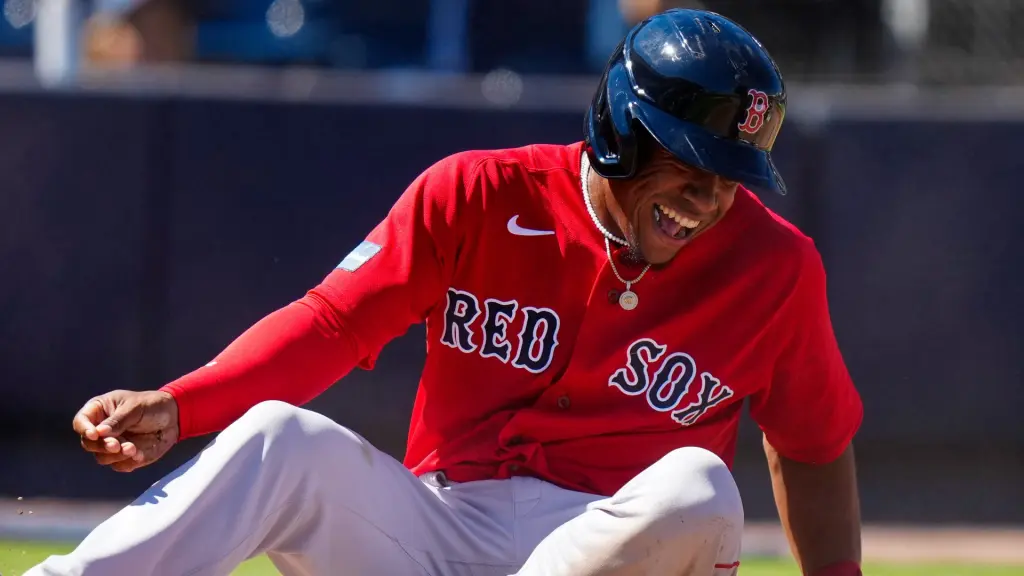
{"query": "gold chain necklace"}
[(628, 300)]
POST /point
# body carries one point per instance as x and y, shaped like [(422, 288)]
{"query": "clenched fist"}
[(128, 430)]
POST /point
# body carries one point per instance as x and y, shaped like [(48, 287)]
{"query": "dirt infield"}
[(70, 521)]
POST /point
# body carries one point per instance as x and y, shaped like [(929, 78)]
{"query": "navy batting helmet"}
[(703, 87)]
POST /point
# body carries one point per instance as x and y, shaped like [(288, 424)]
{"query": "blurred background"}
[(172, 170)]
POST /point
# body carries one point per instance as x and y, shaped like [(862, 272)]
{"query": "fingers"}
[(146, 448), (125, 455), (85, 420), (130, 450), (101, 446), (112, 429), (106, 416), (109, 458), (125, 415), (127, 465), (138, 457), (111, 450)]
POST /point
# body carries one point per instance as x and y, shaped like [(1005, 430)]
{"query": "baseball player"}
[(596, 315)]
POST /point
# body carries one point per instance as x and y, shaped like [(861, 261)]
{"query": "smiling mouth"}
[(674, 224)]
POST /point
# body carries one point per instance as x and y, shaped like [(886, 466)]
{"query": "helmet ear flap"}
[(610, 125)]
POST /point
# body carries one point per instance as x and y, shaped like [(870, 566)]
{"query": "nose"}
[(702, 194)]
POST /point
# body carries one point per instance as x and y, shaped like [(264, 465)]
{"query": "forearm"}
[(292, 355), (819, 508)]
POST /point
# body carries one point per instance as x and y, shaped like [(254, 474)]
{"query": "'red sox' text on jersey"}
[(534, 368)]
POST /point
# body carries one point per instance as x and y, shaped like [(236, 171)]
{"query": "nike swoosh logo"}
[(515, 228)]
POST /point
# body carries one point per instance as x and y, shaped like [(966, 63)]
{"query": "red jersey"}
[(533, 367)]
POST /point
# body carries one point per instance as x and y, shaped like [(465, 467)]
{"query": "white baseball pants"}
[(318, 499)]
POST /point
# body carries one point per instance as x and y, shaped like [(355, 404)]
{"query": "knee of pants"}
[(688, 488), (287, 433)]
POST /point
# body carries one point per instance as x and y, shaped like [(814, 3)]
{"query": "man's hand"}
[(128, 430)]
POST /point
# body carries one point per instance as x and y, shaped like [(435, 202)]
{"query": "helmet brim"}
[(744, 163)]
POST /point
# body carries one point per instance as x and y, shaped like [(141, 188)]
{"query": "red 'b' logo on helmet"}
[(755, 112)]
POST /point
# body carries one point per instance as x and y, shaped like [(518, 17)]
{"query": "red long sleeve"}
[(388, 283), (293, 355)]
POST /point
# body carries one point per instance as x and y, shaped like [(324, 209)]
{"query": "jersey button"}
[(563, 402), (613, 296), (513, 468)]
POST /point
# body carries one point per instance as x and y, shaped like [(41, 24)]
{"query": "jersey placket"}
[(522, 437), (597, 337)]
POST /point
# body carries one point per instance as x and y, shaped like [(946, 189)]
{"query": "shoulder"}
[(475, 188), (776, 239), (773, 254), (504, 166)]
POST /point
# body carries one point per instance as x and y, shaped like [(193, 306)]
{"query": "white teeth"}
[(679, 218)]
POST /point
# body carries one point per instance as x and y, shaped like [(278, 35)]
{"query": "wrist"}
[(847, 568), (171, 395)]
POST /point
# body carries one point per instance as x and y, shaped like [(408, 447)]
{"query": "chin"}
[(657, 257)]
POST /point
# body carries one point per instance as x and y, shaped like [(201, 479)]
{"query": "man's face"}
[(668, 204)]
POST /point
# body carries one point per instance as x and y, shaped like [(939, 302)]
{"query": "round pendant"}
[(628, 300)]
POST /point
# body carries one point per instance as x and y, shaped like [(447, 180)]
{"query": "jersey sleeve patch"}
[(359, 256)]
